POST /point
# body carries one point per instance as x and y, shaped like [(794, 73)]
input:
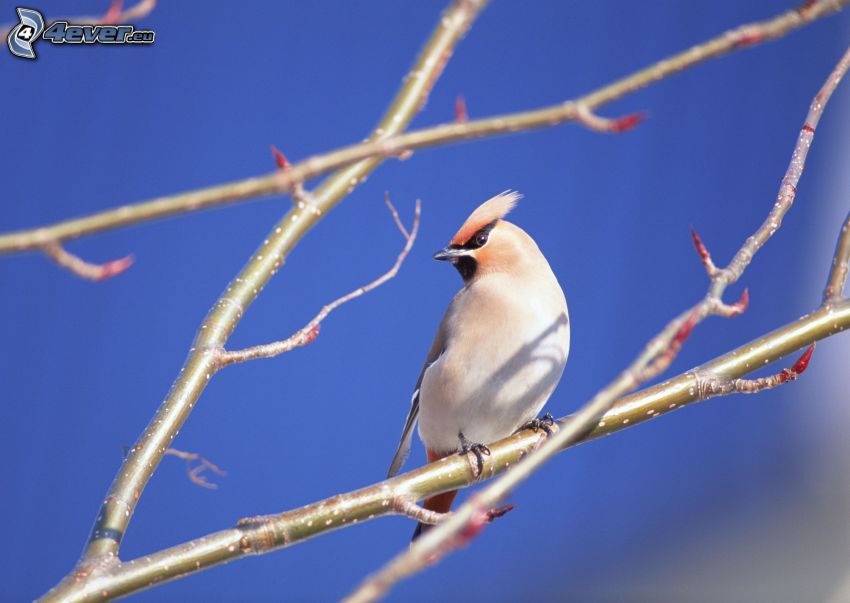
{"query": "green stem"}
[(259, 535), (203, 361), (389, 144)]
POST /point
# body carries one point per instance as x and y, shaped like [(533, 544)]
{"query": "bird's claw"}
[(545, 423), (479, 450)]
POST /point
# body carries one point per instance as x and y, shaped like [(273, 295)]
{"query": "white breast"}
[(505, 355)]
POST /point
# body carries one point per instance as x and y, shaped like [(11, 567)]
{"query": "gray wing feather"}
[(438, 346), (406, 436)]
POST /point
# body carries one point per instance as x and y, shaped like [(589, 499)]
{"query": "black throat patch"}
[(467, 266)]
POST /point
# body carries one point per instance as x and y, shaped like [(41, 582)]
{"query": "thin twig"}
[(838, 273), (394, 214), (386, 144), (308, 333), (711, 384), (404, 505), (788, 190), (82, 268), (594, 122), (445, 536), (195, 467)]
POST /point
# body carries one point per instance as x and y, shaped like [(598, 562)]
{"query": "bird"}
[(499, 351)]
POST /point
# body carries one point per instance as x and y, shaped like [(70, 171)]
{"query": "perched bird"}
[(500, 349)]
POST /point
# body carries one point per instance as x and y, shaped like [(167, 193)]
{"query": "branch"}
[(594, 122), (259, 535), (711, 385), (308, 333), (100, 570), (82, 268), (838, 274), (263, 534), (120, 501), (406, 506), (446, 536), (386, 142), (195, 466)]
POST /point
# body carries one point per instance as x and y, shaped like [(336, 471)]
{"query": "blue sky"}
[(83, 366)]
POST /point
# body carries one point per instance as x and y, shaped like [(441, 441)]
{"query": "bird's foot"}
[(479, 450), (545, 423)]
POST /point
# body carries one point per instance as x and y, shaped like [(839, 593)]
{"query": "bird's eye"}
[(481, 239)]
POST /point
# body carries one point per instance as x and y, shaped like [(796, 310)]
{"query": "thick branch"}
[(386, 143), (259, 535), (100, 561), (202, 363)]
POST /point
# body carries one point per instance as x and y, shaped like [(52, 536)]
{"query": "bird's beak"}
[(450, 253)]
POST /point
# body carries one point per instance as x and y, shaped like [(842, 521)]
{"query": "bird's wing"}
[(437, 348)]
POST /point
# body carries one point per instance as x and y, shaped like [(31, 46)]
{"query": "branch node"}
[(461, 113), (732, 310), (300, 197), (311, 335), (628, 122), (805, 6), (799, 367), (703, 253), (594, 122), (666, 357), (113, 13), (82, 268), (497, 512), (404, 505), (747, 36), (280, 159)]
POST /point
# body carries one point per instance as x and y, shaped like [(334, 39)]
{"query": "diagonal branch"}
[(259, 535), (308, 333), (264, 534), (838, 273), (447, 535), (388, 143), (120, 501)]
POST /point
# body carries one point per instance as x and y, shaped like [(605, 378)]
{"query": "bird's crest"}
[(493, 209)]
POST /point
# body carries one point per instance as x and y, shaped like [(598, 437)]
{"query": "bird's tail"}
[(441, 503)]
